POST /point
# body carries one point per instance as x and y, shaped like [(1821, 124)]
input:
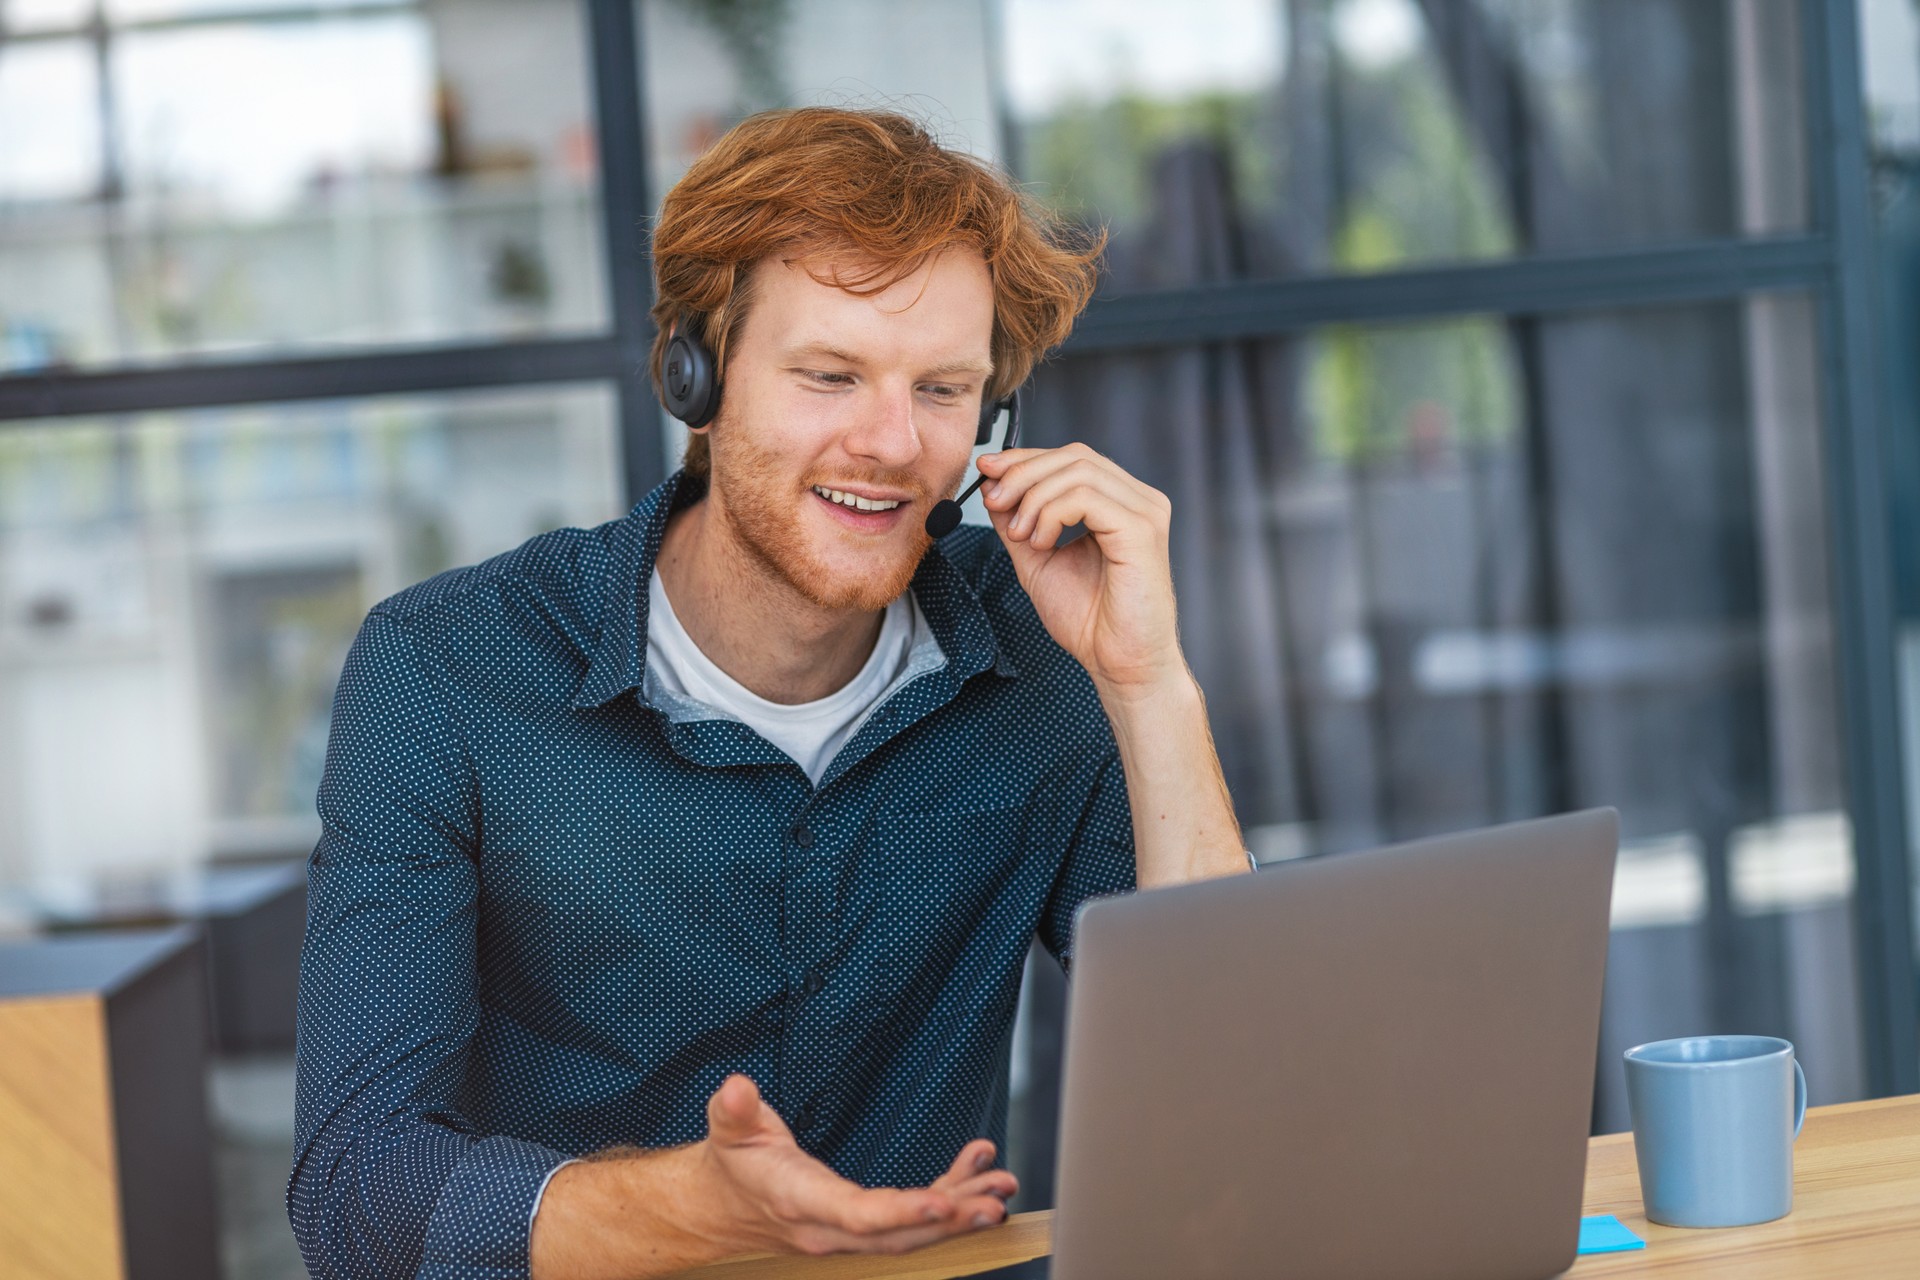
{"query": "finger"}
[(736, 1113), (1007, 460), (1039, 485), (969, 1213), (998, 1183), (845, 1206), (1133, 503), (974, 1158), (982, 1211), (1047, 512), (826, 1240), (1028, 560), (1020, 469), (1022, 477)]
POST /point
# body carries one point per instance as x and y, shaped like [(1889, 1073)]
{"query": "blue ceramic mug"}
[(1714, 1120)]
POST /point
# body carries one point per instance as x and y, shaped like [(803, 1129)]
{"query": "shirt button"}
[(803, 835), (804, 1120), (814, 982)]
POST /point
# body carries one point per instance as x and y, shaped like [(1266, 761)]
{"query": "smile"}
[(855, 501)]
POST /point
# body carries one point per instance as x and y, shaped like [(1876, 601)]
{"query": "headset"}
[(691, 389)]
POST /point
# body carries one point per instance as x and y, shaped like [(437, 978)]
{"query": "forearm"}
[(627, 1216), (1183, 823)]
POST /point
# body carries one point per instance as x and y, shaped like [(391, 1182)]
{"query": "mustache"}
[(909, 481)]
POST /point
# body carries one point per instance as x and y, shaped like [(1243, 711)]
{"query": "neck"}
[(750, 622)]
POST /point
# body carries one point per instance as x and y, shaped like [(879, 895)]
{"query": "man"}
[(677, 875)]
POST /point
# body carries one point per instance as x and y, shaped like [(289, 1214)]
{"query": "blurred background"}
[(1534, 380)]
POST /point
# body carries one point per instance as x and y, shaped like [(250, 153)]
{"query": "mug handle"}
[(1799, 1097)]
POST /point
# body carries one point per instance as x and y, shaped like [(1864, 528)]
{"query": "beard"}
[(760, 509)]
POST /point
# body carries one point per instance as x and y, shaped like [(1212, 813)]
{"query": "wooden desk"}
[(1856, 1206), (106, 1162), (1856, 1212)]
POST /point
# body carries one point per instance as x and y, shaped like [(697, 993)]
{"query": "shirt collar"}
[(619, 656)]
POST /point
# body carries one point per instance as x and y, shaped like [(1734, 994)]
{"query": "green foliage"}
[(1416, 189), (753, 33), (1093, 159)]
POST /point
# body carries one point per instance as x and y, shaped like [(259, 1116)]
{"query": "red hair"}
[(866, 189)]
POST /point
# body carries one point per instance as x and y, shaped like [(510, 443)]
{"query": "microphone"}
[(945, 516)]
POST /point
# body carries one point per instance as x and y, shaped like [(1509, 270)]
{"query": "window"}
[(197, 179), (178, 590), (1363, 135), (1510, 363)]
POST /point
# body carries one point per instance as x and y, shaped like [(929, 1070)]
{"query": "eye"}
[(827, 379), (944, 391)]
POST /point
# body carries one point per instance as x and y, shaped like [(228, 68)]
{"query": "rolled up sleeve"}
[(389, 1178)]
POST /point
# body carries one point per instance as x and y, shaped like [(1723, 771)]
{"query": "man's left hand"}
[(1106, 598)]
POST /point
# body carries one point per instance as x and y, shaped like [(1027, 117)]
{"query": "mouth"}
[(855, 501), (875, 512)]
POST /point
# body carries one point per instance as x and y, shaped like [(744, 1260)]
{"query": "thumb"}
[(1023, 554), (734, 1112)]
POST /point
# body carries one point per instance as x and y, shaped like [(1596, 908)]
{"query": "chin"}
[(832, 570), (863, 580)]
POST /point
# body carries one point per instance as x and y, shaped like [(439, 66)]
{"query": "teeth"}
[(855, 501)]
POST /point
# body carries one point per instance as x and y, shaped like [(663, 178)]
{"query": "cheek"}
[(803, 425), (956, 459), (777, 436)]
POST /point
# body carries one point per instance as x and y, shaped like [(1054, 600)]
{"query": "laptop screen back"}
[(1367, 1065)]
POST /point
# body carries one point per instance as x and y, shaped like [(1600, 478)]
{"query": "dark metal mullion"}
[(1721, 269), (614, 30), (389, 372), (1700, 272), (1860, 551)]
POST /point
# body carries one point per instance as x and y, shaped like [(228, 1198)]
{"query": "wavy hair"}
[(869, 190)]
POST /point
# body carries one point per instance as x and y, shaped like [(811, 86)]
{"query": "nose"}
[(886, 432)]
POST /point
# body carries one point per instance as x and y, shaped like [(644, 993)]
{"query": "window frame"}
[(1832, 263)]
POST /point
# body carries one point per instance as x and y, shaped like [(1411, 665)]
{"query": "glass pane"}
[(1444, 575), (708, 65), (44, 15), (160, 10), (1890, 67), (60, 158), (177, 592), (386, 174), (1279, 137)]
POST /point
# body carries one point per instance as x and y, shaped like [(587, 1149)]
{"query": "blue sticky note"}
[(1605, 1234)]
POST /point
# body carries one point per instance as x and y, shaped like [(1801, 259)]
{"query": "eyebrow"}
[(951, 367), (946, 369)]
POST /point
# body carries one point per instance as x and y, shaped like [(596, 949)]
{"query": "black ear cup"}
[(990, 414), (688, 381)]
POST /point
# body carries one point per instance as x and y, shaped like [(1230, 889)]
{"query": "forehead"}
[(946, 305)]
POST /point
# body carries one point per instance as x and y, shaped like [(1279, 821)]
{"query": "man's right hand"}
[(747, 1187)]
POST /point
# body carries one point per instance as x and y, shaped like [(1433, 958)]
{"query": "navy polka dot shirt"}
[(547, 916)]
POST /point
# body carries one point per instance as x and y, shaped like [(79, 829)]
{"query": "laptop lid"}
[(1369, 1065)]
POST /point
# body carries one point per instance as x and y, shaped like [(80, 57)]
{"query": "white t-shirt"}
[(810, 732)]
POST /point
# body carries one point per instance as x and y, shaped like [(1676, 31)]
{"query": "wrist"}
[(1172, 691), (627, 1214), (709, 1206)]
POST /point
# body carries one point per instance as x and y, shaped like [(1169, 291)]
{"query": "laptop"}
[(1371, 1065)]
